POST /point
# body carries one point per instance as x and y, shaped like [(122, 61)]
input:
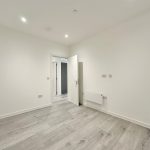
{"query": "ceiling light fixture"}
[(66, 36), (23, 19)]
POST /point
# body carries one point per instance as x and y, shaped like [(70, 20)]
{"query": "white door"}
[(51, 78), (54, 76), (73, 86)]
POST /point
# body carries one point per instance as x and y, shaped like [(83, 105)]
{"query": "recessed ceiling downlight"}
[(23, 19), (66, 36)]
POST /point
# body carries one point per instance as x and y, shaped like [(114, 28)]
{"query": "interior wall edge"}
[(23, 111)]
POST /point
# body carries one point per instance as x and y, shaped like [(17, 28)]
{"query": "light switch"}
[(104, 75)]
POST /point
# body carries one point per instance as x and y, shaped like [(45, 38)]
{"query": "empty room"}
[(74, 74)]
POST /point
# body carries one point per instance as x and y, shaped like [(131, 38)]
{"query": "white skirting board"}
[(86, 104), (98, 107), (23, 111)]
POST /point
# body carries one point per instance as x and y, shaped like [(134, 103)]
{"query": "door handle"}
[(76, 82)]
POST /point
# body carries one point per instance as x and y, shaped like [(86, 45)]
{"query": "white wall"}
[(24, 68), (124, 52)]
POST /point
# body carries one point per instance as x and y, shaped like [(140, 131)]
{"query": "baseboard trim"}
[(104, 111), (120, 116), (128, 119), (23, 111)]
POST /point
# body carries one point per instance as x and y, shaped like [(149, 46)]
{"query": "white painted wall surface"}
[(24, 68), (124, 52)]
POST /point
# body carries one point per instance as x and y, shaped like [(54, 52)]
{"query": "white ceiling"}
[(52, 19)]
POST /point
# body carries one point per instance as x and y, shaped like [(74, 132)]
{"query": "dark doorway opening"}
[(64, 78)]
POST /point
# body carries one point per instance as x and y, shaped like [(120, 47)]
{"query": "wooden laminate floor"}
[(65, 126)]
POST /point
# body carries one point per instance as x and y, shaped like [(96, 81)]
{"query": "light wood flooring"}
[(65, 126)]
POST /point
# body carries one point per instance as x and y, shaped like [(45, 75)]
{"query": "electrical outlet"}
[(40, 96)]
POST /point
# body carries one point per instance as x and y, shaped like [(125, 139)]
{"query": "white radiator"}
[(94, 97)]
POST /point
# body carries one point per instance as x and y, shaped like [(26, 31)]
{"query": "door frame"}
[(56, 78)]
